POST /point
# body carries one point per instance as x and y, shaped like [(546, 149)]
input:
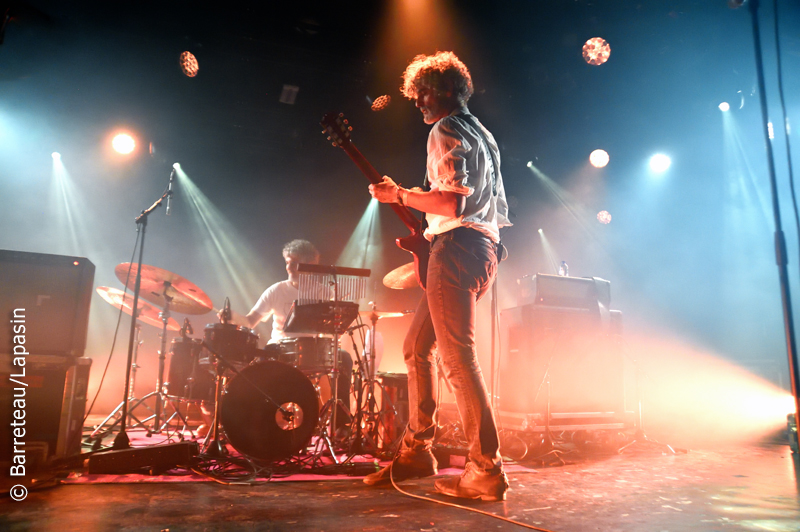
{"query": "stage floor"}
[(740, 488)]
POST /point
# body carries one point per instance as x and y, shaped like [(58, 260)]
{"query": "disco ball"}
[(604, 217)]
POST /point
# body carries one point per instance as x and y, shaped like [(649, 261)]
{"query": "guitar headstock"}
[(336, 128)]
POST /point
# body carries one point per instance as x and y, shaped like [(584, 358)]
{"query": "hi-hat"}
[(159, 285), (147, 313), (401, 278)]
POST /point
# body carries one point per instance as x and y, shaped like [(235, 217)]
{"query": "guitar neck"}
[(406, 216)]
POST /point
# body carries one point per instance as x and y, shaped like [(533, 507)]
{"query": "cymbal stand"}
[(102, 430), (212, 444), (159, 395), (122, 441), (369, 416)]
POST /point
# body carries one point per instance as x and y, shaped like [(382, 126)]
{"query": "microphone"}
[(187, 328), (226, 315), (169, 192)]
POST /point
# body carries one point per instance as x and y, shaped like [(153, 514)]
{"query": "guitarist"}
[(465, 208)]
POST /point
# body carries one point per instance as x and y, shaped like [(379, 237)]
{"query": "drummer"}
[(276, 301)]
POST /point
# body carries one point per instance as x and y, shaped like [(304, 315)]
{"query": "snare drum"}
[(310, 354), (235, 344), (188, 377)]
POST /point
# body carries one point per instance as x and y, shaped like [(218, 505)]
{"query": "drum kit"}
[(267, 402)]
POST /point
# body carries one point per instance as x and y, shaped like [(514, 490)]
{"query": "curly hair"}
[(442, 70), (303, 249)]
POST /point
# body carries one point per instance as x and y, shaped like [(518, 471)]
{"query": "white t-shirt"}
[(276, 301)]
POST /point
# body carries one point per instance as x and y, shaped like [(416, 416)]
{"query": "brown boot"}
[(409, 463), (474, 484)]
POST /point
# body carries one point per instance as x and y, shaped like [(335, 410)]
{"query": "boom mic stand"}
[(122, 441)]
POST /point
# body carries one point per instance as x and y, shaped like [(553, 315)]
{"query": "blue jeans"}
[(462, 267)]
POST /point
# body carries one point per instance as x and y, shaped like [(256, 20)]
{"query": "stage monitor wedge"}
[(50, 295)]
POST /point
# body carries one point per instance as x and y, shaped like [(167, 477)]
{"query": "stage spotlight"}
[(177, 166), (56, 156), (596, 51), (123, 143), (599, 158), (604, 217), (381, 102), (189, 64), (530, 164), (659, 163), (540, 231), (724, 106)]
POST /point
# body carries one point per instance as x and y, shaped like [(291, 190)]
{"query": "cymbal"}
[(401, 278), (148, 313), (185, 296), (368, 314)]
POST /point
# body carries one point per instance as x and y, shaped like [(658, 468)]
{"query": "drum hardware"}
[(237, 344), (327, 304), (370, 417), (159, 286), (309, 354), (187, 381), (401, 278), (145, 313), (167, 290), (103, 429), (257, 424)]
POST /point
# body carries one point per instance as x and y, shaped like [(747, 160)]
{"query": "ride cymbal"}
[(160, 285)]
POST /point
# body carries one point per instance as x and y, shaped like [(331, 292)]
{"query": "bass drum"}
[(254, 423)]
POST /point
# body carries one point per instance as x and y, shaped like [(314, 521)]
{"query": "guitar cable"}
[(446, 503)]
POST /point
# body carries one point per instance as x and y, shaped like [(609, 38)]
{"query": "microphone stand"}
[(780, 241), (122, 441)]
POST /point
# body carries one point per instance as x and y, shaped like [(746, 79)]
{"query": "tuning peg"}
[(329, 138), (333, 144), (350, 128), (345, 121)]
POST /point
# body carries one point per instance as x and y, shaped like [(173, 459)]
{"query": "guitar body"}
[(336, 126), (417, 245)]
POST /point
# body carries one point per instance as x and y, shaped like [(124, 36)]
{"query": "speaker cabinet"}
[(54, 404), (567, 356), (50, 295)]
